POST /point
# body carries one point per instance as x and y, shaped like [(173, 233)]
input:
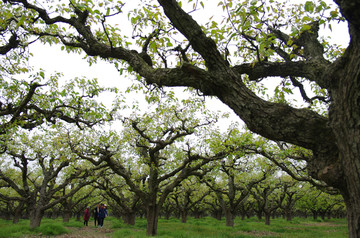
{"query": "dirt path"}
[(88, 232)]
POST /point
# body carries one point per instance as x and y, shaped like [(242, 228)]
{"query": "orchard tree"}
[(121, 199), (233, 182), (12, 206), (290, 159), (29, 99), (200, 210), (292, 191), (157, 150), (188, 195), (169, 208), (15, 94), (317, 202), (246, 209), (229, 56), (213, 204), (266, 195), (43, 100), (77, 202), (37, 168)]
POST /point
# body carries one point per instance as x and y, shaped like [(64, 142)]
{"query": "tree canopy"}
[(228, 56)]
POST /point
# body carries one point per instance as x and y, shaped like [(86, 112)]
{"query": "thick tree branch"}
[(350, 9), (12, 44), (202, 44), (310, 70)]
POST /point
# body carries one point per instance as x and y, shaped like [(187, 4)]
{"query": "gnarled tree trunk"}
[(66, 215), (344, 118), (267, 218), (18, 212), (184, 214), (229, 216), (35, 216), (288, 214), (152, 220), (129, 218)]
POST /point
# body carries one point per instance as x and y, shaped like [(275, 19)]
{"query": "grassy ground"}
[(194, 228)]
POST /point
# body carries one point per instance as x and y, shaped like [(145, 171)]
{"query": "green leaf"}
[(305, 27), (334, 14), (42, 74), (306, 19), (21, 21), (309, 6)]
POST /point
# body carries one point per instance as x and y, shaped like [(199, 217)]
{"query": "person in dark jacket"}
[(86, 216), (96, 214), (102, 215)]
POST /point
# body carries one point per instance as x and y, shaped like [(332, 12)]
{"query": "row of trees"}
[(263, 200), (143, 162), (195, 199)]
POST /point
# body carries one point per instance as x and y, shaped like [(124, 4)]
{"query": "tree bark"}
[(129, 218), (217, 214), (345, 120), (315, 215), (66, 215), (152, 220), (267, 218), (184, 214), (68, 206), (18, 212), (259, 215), (16, 218), (197, 212), (288, 214), (322, 215), (36, 216), (229, 216)]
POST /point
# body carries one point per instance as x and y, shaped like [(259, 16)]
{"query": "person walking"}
[(96, 214), (86, 216), (102, 215)]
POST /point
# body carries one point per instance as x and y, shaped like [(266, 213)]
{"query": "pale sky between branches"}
[(52, 59)]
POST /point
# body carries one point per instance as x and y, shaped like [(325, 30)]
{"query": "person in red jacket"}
[(86, 216)]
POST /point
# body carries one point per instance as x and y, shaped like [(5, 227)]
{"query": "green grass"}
[(74, 223), (7, 229), (195, 228), (48, 227), (209, 227), (52, 229)]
